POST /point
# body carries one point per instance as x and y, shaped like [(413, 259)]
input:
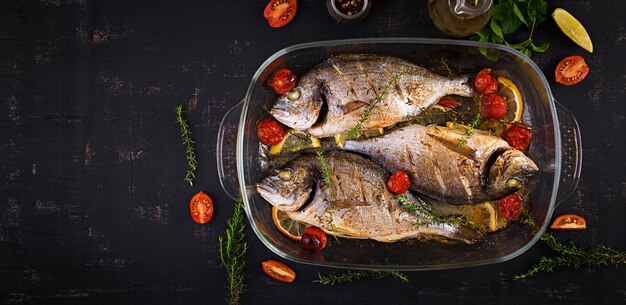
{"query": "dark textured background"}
[(93, 207)]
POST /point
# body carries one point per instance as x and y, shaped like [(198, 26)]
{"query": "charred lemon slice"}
[(341, 139), (286, 225), (294, 141), (515, 104), (572, 28)]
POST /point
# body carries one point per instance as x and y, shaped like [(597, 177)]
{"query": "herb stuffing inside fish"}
[(484, 168), (347, 194), (335, 96)]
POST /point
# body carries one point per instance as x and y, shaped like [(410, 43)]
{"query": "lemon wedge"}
[(515, 104), (294, 141), (286, 225), (572, 28)]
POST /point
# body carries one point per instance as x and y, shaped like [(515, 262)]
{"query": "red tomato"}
[(493, 106), (485, 83), (278, 271), (270, 132), (280, 12), (569, 222), (283, 81), (201, 208), (518, 136), (511, 206), (571, 70), (449, 102), (399, 182), (313, 239)]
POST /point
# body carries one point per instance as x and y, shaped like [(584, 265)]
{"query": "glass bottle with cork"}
[(460, 17)]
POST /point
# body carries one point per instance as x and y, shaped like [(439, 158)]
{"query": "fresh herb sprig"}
[(325, 169), (372, 105), (469, 131), (569, 254), (233, 248), (432, 217), (507, 17), (351, 275), (188, 141)]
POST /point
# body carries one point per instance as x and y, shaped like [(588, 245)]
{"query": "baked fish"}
[(483, 168), (352, 201), (332, 97)]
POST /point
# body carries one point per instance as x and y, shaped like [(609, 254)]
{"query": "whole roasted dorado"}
[(333, 97), (352, 200), (483, 168)]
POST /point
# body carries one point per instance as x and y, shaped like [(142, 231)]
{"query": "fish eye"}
[(294, 95), (513, 183), (285, 175)]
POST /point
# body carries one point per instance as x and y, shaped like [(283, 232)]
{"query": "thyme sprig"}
[(232, 247), (188, 141), (351, 275), (569, 254), (433, 218), (325, 169), (373, 104), (469, 131)]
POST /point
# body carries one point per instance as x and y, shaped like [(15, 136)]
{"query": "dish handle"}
[(571, 151), (226, 151)]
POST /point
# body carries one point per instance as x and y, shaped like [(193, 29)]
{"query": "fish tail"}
[(461, 86)]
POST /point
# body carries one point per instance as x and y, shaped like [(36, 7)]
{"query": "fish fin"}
[(467, 235), (353, 106)]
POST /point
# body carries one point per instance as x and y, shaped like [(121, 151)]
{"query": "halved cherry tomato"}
[(485, 83), (399, 182), (449, 102), (569, 222), (518, 136), (201, 208), (279, 12), (270, 132), (511, 206), (571, 70), (283, 81), (493, 106), (313, 239), (278, 271)]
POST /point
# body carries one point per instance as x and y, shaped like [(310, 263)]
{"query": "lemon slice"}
[(341, 139), (509, 91), (286, 225), (481, 216), (572, 28), (294, 141)]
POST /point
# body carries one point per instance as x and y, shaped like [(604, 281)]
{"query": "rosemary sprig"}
[(469, 131), (351, 275), (373, 104), (232, 248), (433, 218), (325, 169), (188, 142)]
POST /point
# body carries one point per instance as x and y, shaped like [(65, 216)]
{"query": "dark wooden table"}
[(93, 206)]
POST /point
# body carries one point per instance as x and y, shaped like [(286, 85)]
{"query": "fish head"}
[(300, 108), (510, 170), (288, 188)]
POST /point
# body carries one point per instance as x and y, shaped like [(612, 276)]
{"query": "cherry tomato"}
[(283, 81), (485, 83), (518, 136), (449, 102), (270, 132), (280, 12), (201, 208), (571, 70), (399, 182), (493, 106), (278, 271), (569, 222), (511, 206), (313, 239)]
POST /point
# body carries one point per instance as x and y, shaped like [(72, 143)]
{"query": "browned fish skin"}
[(356, 203), (478, 171), (347, 84)]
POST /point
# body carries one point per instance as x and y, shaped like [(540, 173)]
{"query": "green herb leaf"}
[(233, 247), (351, 275), (540, 48), (188, 141), (519, 14), (495, 27)]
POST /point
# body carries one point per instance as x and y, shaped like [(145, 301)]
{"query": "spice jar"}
[(460, 17), (348, 11)]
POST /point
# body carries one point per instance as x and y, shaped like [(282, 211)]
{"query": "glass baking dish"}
[(555, 149)]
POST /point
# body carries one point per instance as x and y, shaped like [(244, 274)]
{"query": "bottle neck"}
[(470, 7)]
